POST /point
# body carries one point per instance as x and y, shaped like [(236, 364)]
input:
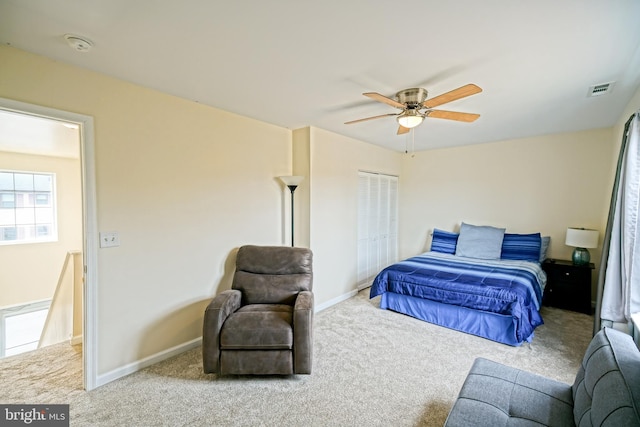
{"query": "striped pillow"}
[(444, 241), (524, 247)]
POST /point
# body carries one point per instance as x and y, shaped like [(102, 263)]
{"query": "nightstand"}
[(568, 285)]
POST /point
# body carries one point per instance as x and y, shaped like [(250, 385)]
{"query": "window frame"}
[(52, 196)]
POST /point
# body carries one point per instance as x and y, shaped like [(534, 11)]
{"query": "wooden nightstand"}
[(568, 285)]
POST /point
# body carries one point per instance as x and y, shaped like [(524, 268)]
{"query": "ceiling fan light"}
[(410, 119)]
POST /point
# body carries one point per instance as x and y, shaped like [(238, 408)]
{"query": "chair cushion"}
[(606, 391), (258, 327), (272, 274), (274, 260), (269, 288), (498, 395)]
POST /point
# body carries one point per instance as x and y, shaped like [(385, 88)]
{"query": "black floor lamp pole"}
[(292, 182), (292, 188)]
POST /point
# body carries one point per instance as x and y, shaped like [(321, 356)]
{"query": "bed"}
[(492, 297)]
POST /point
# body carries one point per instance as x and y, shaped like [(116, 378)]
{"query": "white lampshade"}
[(291, 180), (582, 238), (410, 119)]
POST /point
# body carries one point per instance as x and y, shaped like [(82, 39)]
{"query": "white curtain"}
[(621, 291)]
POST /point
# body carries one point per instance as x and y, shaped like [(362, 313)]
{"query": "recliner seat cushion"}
[(258, 327), (497, 395)]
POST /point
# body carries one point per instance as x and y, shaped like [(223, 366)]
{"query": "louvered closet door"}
[(392, 239), (363, 228), (377, 224)]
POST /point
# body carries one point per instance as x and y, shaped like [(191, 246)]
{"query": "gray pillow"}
[(544, 247), (483, 242)]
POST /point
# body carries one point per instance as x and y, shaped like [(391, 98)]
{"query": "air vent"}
[(600, 89)]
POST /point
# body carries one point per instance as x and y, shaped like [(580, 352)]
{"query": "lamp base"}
[(581, 256)]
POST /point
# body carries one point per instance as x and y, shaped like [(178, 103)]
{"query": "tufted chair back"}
[(606, 391), (272, 274)]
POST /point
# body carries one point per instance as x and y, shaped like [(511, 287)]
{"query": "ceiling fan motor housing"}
[(412, 98)]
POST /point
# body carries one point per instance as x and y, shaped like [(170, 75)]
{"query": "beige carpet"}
[(372, 367)]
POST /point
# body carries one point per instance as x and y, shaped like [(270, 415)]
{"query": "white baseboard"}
[(181, 348), (365, 285), (336, 300), (147, 361)]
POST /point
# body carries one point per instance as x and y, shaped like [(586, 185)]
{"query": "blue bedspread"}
[(504, 287)]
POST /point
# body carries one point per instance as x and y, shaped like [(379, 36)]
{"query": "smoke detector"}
[(78, 43)]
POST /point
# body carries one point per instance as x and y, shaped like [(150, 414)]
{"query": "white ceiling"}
[(295, 63), (27, 134)]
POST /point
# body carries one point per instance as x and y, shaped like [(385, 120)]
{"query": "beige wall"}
[(333, 195), (185, 184), (543, 184), (301, 144), (29, 272), (182, 183)]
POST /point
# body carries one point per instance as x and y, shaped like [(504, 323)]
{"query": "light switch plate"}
[(109, 239)]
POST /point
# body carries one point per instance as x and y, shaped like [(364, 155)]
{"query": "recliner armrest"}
[(216, 313), (228, 300), (304, 301), (303, 332)]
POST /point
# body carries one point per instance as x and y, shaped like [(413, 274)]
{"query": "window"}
[(27, 208), (377, 224)]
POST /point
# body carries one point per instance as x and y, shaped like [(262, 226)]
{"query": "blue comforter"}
[(505, 287)]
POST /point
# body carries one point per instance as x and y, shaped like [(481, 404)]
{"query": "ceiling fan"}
[(415, 106)]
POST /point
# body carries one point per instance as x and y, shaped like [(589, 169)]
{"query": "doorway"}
[(44, 230)]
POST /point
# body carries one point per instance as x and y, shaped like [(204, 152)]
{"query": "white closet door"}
[(363, 228), (393, 220), (374, 231), (383, 221), (377, 224)]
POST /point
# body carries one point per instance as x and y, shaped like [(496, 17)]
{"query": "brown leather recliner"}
[(264, 324)]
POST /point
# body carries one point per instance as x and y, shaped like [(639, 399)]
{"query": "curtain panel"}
[(618, 293)]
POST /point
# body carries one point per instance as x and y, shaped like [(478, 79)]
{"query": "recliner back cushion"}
[(272, 274), (606, 391)]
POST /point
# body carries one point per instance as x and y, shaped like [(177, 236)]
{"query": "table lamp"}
[(581, 239)]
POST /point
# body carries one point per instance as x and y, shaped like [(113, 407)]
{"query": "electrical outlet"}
[(109, 239)]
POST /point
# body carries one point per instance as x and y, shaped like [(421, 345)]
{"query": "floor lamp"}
[(292, 182)]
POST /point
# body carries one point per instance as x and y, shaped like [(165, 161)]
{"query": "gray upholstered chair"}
[(264, 323), (605, 393)]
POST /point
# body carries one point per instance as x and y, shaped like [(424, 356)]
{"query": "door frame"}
[(89, 224)]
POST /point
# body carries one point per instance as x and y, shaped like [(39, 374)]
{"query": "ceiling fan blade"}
[(402, 130), (452, 115), (370, 118), (381, 98), (461, 92)]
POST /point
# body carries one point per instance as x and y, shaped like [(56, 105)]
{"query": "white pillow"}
[(483, 242)]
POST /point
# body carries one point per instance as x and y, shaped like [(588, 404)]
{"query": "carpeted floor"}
[(372, 367)]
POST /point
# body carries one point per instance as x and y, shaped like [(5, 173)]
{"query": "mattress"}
[(458, 287)]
